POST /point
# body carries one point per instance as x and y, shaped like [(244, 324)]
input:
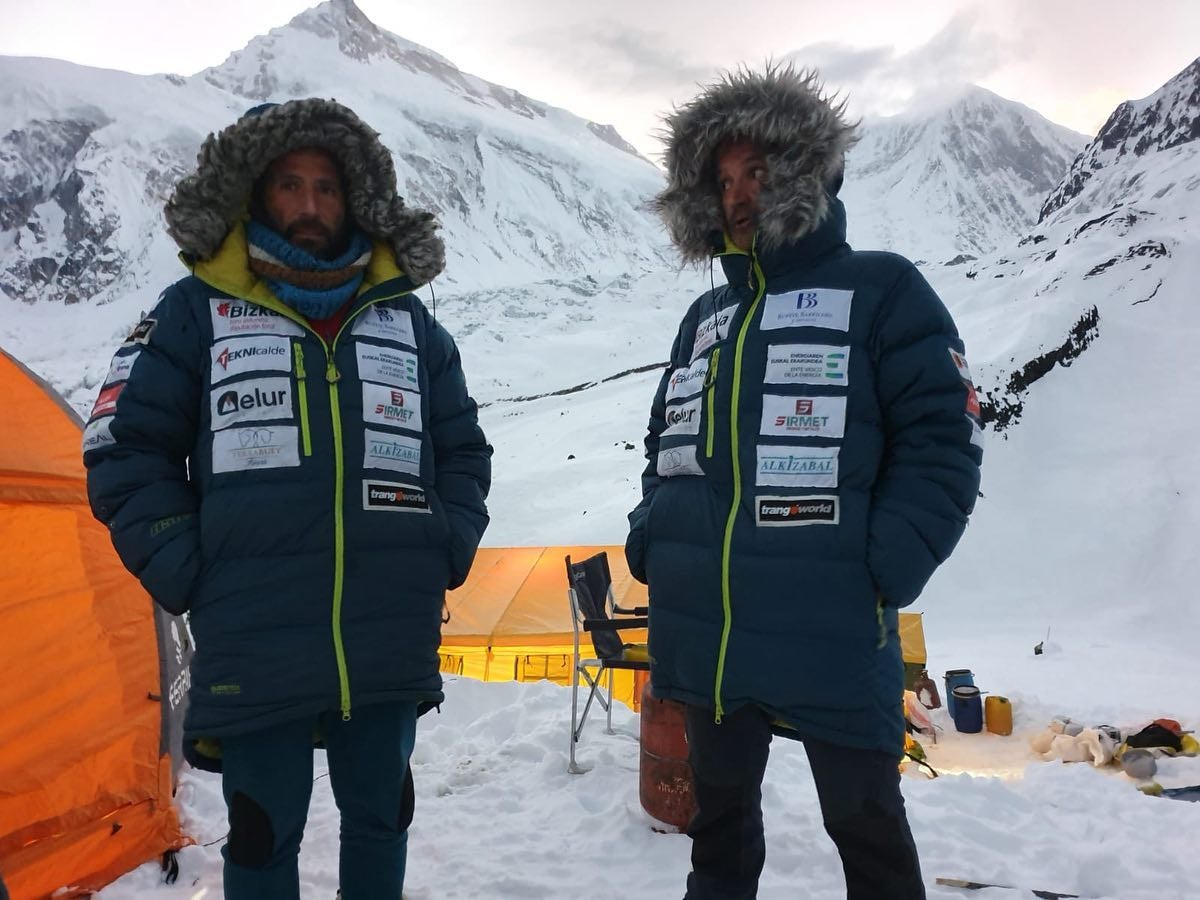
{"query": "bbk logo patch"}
[(391, 497), (684, 418), (233, 318), (807, 364), (385, 323), (391, 406), (106, 402), (711, 329), (812, 308), (262, 398), (774, 511), (238, 356), (803, 416)]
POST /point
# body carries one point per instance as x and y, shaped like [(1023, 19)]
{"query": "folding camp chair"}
[(589, 589)]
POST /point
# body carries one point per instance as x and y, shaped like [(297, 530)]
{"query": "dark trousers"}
[(861, 806), (267, 780)]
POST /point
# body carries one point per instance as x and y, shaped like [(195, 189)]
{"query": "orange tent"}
[(86, 670)]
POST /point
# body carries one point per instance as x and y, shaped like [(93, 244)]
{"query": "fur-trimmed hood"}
[(804, 135), (207, 203)]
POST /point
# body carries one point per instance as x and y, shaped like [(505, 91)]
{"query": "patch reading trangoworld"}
[(391, 497), (817, 510)]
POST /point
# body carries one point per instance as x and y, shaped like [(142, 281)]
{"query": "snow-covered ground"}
[(499, 818)]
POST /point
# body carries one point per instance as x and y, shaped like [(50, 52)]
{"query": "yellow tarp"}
[(511, 621)]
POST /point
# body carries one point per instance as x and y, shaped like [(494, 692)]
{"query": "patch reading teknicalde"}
[(816, 510), (388, 496)]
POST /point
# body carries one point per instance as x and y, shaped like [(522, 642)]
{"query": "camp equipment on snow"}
[(967, 709), (593, 609), (926, 691), (955, 677), (665, 784), (982, 885), (998, 713), (1138, 763)]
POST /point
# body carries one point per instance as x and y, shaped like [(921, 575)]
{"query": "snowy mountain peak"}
[(957, 176), (357, 36), (1167, 119)]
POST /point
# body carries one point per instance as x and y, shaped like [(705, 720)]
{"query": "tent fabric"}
[(511, 620), (85, 788)]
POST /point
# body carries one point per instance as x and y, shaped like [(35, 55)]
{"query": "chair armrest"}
[(614, 624), (636, 611)]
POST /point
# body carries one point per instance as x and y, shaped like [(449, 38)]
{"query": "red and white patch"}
[(106, 403)]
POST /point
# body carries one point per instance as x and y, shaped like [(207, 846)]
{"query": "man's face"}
[(741, 173), (305, 201)]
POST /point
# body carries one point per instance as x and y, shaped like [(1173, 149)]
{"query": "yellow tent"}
[(511, 621)]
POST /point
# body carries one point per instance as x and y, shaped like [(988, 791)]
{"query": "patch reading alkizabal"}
[(392, 497), (817, 510)]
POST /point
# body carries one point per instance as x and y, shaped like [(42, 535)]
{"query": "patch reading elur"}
[(822, 510), (392, 497), (142, 331)]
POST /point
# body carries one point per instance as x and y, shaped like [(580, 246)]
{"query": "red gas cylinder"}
[(666, 778)]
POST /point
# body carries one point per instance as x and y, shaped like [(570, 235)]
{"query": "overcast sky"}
[(626, 62)]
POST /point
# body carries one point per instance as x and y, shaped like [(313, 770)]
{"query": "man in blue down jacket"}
[(285, 449), (814, 452)]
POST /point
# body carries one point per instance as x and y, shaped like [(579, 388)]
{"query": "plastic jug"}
[(998, 712), (967, 709)]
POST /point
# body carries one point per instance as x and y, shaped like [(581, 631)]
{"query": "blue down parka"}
[(308, 504), (814, 453)]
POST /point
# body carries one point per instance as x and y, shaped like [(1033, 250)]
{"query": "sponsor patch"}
[(712, 329), (807, 364), (960, 363), (391, 406), (262, 398), (976, 432), (387, 365), (385, 323), (106, 401), (803, 416), (797, 466), (386, 495), (142, 331), (391, 451), (683, 418), (233, 318), (256, 447), (771, 511), (98, 434), (121, 366), (265, 353), (813, 308), (972, 400), (689, 381), (678, 461)]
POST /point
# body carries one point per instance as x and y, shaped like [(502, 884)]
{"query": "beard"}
[(315, 237)]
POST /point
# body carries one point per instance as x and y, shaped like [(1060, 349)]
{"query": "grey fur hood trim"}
[(207, 203), (805, 136)]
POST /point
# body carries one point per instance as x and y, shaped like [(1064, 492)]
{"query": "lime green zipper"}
[(737, 485), (302, 391), (710, 384)]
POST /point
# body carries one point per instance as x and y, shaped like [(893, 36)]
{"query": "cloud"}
[(881, 79), (617, 59)]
